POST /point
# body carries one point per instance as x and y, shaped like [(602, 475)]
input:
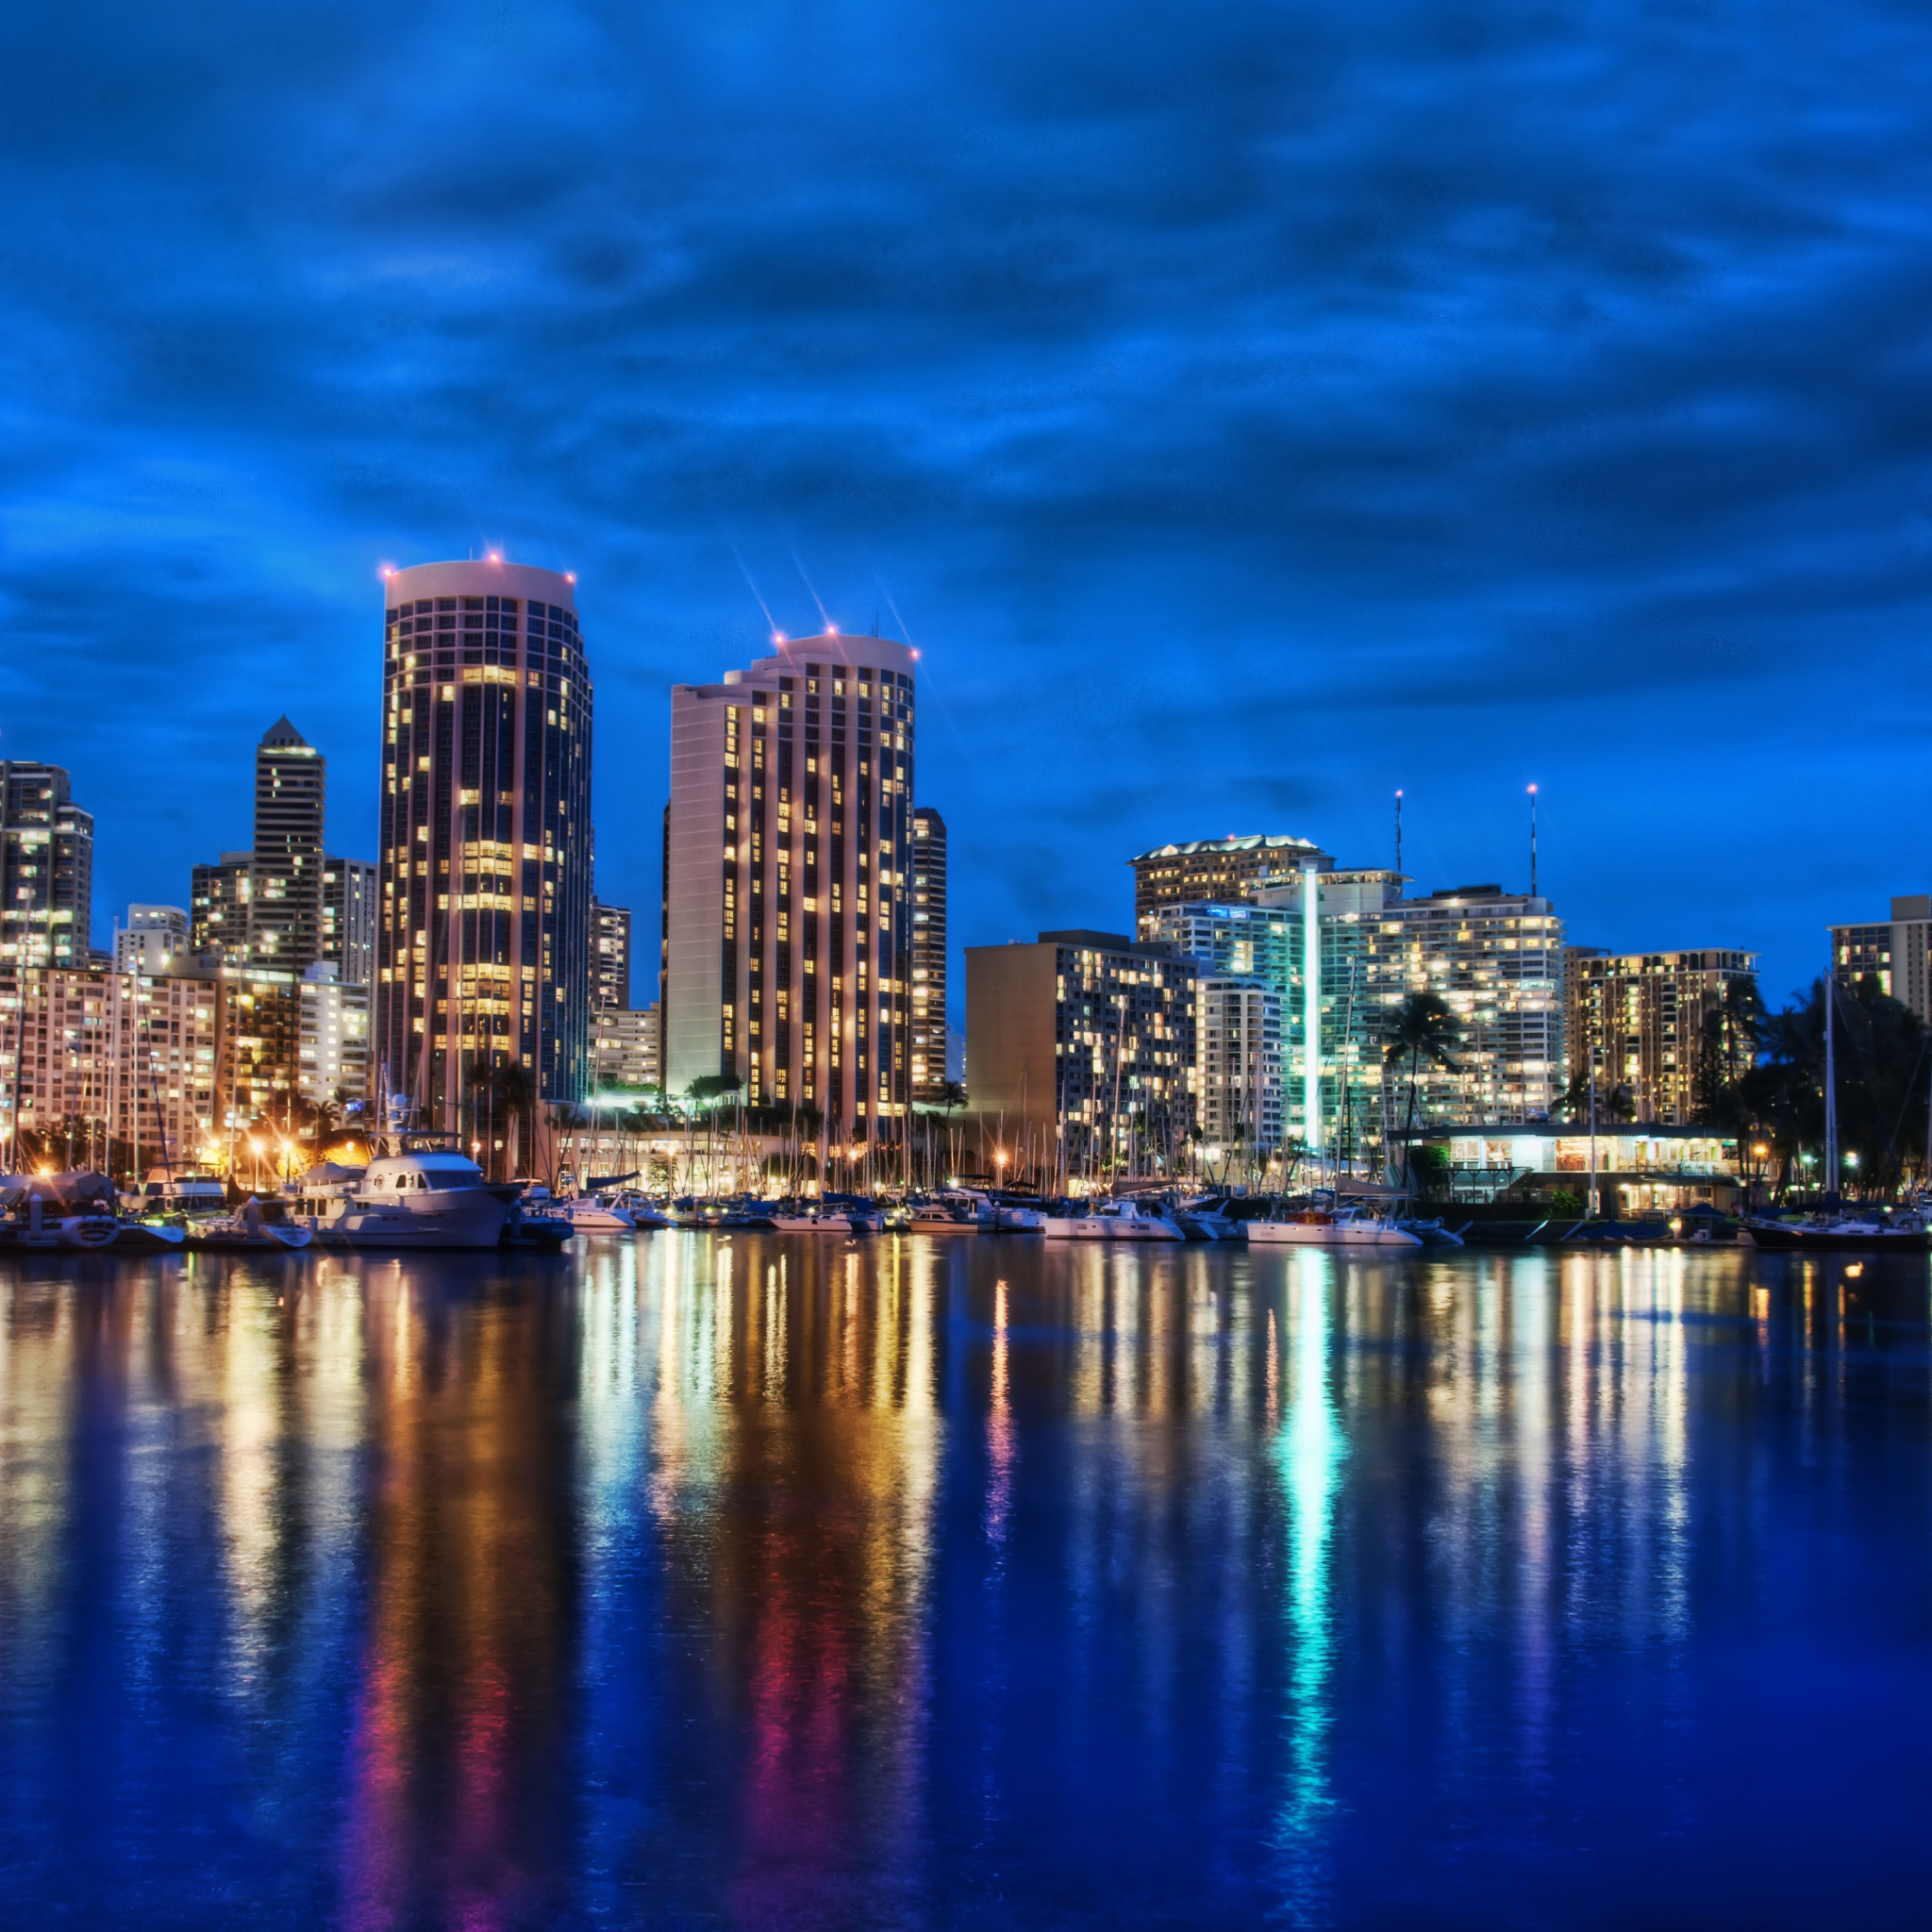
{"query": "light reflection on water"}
[(773, 1582)]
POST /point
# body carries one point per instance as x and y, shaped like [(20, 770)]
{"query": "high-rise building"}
[(1893, 952), (483, 947), (1638, 1020), (788, 927), (218, 909), (46, 868), (1236, 1077), (348, 918), (106, 1056), (154, 941), (333, 1038), (609, 956), (1496, 960), (262, 1058), (1081, 1050), (285, 900), (1228, 870), (624, 1049), (929, 1069)]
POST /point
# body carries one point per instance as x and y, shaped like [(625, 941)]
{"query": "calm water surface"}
[(699, 1582)]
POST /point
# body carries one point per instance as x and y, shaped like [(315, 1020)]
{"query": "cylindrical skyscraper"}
[(483, 951)]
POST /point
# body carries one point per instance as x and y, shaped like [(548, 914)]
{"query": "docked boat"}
[(1005, 1216), (589, 1215), (645, 1212), (1908, 1235), (940, 1217), (64, 1210), (1432, 1234), (421, 1192), (1112, 1220), (1205, 1218), (813, 1220), (1342, 1227), (256, 1228), (175, 1190)]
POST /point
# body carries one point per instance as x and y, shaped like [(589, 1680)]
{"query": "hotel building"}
[(1638, 1020), (1082, 1047), (1893, 953), (623, 1046), (483, 945), (1227, 870), (788, 918), (46, 868), (928, 958), (284, 895)]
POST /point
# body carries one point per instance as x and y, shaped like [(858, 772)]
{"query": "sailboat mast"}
[(1830, 1082), (1311, 1009)]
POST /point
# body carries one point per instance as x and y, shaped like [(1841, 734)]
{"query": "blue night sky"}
[(1249, 408)]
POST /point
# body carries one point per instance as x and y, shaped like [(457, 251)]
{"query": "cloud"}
[(1252, 406)]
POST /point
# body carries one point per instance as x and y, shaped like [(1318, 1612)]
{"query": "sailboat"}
[(1836, 1231)]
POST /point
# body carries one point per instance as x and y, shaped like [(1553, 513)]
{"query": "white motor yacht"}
[(589, 1215), (421, 1194), (1329, 1227), (1112, 1220)]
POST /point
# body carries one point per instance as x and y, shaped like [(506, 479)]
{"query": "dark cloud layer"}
[(1251, 409)]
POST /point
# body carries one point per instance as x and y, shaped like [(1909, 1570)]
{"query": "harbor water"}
[(770, 1581)]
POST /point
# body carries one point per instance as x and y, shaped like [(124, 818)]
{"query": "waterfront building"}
[(1638, 1020), (348, 918), (483, 947), (1496, 960), (218, 909), (787, 902), (1893, 952), (46, 868), (1081, 1048), (1227, 870), (90, 1057), (624, 1049), (929, 1069), (1640, 1168), (332, 1036), (1236, 1078), (154, 941), (1268, 938), (609, 956), (260, 1069)]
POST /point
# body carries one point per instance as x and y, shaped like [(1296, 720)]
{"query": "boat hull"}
[(1099, 1230), (1837, 1241), (1315, 1233), (439, 1217)]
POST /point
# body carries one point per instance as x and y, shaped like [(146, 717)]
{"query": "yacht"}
[(1842, 1235), (1112, 1220), (421, 1192), (589, 1215), (940, 1217), (256, 1228), (1206, 1218), (168, 1190), (643, 1211), (1329, 1227), (1007, 1216)]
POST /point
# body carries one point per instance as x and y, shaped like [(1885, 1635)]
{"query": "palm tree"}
[(1424, 1030), (1612, 1103)]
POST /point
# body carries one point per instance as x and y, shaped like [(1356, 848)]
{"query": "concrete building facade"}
[(1226, 871), (624, 1049), (1637, 1019), (348, 918), (928, 1049), (1892, 951), (1081, 1050), (332, 1036), (787, 920), (46, 868), (483, 946), (1236, 1079), (154, 941)]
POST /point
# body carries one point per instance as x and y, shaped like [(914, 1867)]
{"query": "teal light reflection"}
[(1309, 1450)]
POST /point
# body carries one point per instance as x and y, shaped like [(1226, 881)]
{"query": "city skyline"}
[(1295, 473)]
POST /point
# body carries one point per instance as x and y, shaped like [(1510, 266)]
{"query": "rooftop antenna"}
[(1532, 841), (1398, 830)]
